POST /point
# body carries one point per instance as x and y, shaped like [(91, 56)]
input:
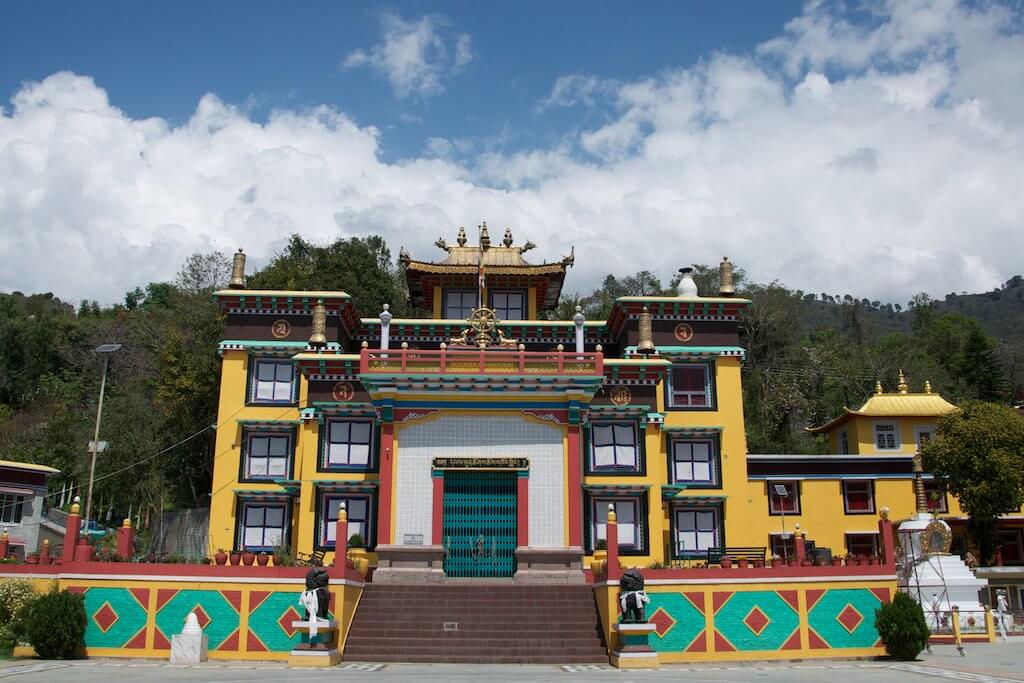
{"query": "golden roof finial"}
[(902, 386), (485, 239), (461, 239), (927, 387), (878, 387), (507, 241)]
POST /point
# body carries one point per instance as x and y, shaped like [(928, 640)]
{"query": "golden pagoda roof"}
[(900, 403)]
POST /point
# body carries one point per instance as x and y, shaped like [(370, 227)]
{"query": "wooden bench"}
[(749, 553)]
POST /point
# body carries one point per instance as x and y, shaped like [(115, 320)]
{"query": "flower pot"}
[(793, 562), (873, 560), (221, 557), (248, 558), (758, 564), (262, 560), (742, 563), (236, 559), (726, 563), (32, 559), (837, 562), (806, 563), (777, 562)]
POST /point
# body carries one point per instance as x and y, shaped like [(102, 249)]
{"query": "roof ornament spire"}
[(485, 239), (927, 387), (725, 285), (878, 387), (645, 338), (238, 271), (507, 240), (461, 239), (687, 286), (902, 386)]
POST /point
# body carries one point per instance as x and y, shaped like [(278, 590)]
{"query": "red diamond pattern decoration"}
[(663, 622), (756, 620), (285, 622), (105, 617), (201, 616), (850, 618)]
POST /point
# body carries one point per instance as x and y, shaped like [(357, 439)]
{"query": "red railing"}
[(489, 361)]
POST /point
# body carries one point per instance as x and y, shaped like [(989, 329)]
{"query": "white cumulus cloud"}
[(414, 54), (897, 173)]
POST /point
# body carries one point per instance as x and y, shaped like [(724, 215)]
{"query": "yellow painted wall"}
[(861, 431)]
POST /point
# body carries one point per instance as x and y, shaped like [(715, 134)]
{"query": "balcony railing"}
[(480, 361)]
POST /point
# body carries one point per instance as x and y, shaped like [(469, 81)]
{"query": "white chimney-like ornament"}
[(687, 287)]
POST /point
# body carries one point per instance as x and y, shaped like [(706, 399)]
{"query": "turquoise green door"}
[(480, 523)]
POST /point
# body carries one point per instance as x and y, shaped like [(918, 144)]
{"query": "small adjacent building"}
[(23, 488)]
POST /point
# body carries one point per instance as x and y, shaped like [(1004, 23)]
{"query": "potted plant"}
[(262, 559), (837, 561), (725, 562), (758, 563), (793, 562), (248, 557), (32, 558), (236, 558), (742, 563), (205, 560), (873, 560), (221, 557), (776, 561), (850, 560), (356, 541), (807, 562)]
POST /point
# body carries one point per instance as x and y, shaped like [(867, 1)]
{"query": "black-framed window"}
[(508, 304), (359, 507), (459, 303), (630, 516), (1010, 544), (263, 526), (935, 496), (887, 436), (782, 546), (267, 455), (11, 508), (695, 528), (690, 386), (273, 380), (614, 446), (844, 442), (862, 544), (694, 462), (348, 444), (858, 497), (788, 504)]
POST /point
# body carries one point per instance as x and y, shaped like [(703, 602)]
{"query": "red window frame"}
[(867, 494), (792, 500)]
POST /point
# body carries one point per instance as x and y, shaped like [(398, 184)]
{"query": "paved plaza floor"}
[(990, 663)]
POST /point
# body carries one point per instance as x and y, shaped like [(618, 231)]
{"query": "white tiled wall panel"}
[(474, 436)]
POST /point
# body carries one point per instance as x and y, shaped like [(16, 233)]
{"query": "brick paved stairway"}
[(485, 624)]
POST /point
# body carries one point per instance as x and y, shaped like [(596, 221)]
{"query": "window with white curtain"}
[(697, 529), (627, 515), (614, 446), (693, 462), (349, 444)]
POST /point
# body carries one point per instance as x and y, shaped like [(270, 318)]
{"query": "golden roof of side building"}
[(29, 466), (889, 404)]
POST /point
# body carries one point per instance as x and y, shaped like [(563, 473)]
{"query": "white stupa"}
[(939, 580)]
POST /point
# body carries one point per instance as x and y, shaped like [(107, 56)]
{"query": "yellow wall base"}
[(23, 651), (644, 660), (311, 658)]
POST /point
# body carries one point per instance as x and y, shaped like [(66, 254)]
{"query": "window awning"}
[(674, 493), (261, 495), (616, 488), (275, 425), (335, 486), (691, 430)]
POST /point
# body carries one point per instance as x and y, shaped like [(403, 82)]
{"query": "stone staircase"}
[(476, 624)]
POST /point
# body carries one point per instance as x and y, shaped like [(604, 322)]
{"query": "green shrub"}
[(14, 595), (602, 544), (902, 626), (356, 541), (55, 624)]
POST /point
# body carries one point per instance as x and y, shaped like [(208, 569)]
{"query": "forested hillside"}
[(808, 356)]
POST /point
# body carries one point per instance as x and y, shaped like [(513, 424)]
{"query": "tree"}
[(978, 365), (359, 266), (978, 452)]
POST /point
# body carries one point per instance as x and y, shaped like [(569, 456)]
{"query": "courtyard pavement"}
[(987, 663)]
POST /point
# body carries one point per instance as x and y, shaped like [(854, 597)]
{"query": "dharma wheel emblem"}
[(621, 396), (342, 391), (281, 329), (683, 332)]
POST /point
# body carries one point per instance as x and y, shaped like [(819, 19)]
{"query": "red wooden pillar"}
[(798, 546), (5, 544), (437, 510), (886, 538), (523, 509), (71, 531), (575, 488), (44, 552), (126, 540), (612, 536), (341, 538), (387, 475)]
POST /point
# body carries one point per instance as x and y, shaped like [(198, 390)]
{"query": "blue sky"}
[(868, 147), (159, 59)]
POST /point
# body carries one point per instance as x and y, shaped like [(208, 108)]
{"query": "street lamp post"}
[(782, 493), (94, 447)]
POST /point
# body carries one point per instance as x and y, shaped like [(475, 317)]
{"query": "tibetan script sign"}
[(481, 463)]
